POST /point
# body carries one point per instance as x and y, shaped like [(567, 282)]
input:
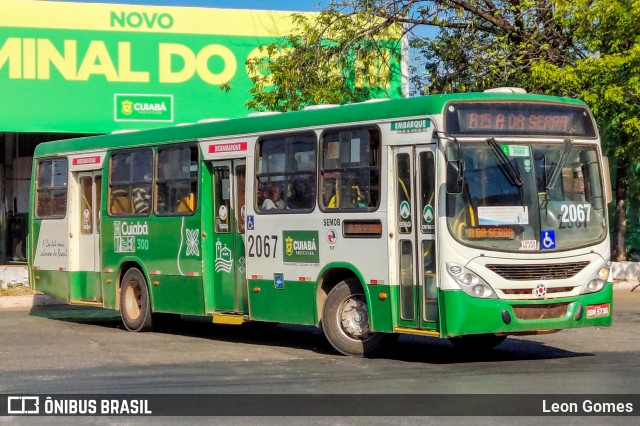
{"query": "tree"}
[(332, 58), (477, 44), (607, 77)]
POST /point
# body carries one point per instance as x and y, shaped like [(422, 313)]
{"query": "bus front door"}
[(230, 282), (87, 286), (415, 227)]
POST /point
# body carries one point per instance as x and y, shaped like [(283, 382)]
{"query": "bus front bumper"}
[(468, 315)]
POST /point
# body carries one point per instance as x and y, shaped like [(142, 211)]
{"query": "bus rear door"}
[(87, 285), (415, 229), (230, 283)]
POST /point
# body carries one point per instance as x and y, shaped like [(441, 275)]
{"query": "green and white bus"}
[(465, 216)]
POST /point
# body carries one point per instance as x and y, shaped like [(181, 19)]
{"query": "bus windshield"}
[(527, 197)]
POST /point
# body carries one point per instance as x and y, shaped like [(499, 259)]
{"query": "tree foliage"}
[(467, 45), (607, 77), (332, 58), (485, 43)]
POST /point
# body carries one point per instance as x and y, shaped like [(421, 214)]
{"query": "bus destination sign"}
[(489, 233), (496, 120), (518, 118)]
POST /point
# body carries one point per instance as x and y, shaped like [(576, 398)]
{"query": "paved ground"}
[(63, 349)]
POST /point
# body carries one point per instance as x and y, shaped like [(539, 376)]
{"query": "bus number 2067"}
[(262, 245)]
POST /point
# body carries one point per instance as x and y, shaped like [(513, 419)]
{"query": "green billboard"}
[(96, 68)]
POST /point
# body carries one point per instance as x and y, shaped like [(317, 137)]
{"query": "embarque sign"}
[(96, 68)]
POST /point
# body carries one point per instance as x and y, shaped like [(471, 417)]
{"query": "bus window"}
[(98, 201), (407, 301), (130, 183), (403, 173), (177, 180), (241, 179), (86, 204), (350, 173), (221, 199), (428, 192), (286, 178), (430, 293), (51, 198)]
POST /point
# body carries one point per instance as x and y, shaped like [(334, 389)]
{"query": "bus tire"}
[(477, 342), (135, 307), (345, 321)]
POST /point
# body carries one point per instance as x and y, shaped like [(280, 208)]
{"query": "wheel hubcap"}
[(353, 317), (132, 301)]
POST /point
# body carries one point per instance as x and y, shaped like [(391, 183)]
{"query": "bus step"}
[(228, 319), (405, 330), (86, 303)]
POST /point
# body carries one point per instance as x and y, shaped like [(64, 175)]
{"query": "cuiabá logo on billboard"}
[(127, 107), (143, 107), (300, 247)]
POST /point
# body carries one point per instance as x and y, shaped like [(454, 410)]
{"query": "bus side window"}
[(130, 177), (51, 198), (350, 169), (177, 180), (286, 174)]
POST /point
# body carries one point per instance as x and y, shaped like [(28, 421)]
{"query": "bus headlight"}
[(592, 286), (603, 273), (470, 283), (597, 281)]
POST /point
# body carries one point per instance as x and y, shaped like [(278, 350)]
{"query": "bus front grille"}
[(529, 291), (554, 271), (538, 312)]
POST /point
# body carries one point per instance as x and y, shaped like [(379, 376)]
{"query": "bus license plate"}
[(601, 310)]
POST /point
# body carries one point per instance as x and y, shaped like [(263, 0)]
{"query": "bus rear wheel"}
[(345, 321), (477, 342), (135, 307)]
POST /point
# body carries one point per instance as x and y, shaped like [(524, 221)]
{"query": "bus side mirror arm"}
[(454, 176)]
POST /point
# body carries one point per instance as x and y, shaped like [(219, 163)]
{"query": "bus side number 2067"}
[(262, 245)]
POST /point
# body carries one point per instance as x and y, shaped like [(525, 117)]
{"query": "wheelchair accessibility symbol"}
[(548, 239)]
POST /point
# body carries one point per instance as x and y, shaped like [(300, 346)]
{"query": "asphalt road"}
[(87, 351)]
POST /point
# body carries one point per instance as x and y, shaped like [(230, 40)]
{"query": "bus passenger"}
[(141, 201), (275, 201), (301, 194)]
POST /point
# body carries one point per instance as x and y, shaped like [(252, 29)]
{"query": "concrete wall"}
[(13, 275), (625, 270)]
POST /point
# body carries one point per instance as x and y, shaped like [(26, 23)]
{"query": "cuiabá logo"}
[(301, 247), (289, 246), (127, 107), (143, 107)]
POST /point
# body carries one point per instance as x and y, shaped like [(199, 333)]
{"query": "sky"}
[(292, 5)]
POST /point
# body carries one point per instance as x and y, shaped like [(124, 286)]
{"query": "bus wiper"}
[(512, 172), (557, 170)]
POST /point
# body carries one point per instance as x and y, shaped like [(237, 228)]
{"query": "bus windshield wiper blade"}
[(512, 172), (557, 170)]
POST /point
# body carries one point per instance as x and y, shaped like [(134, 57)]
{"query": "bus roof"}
[(345, 114)]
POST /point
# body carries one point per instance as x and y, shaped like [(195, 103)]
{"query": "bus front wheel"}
[(345, 321), (135, 308)]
